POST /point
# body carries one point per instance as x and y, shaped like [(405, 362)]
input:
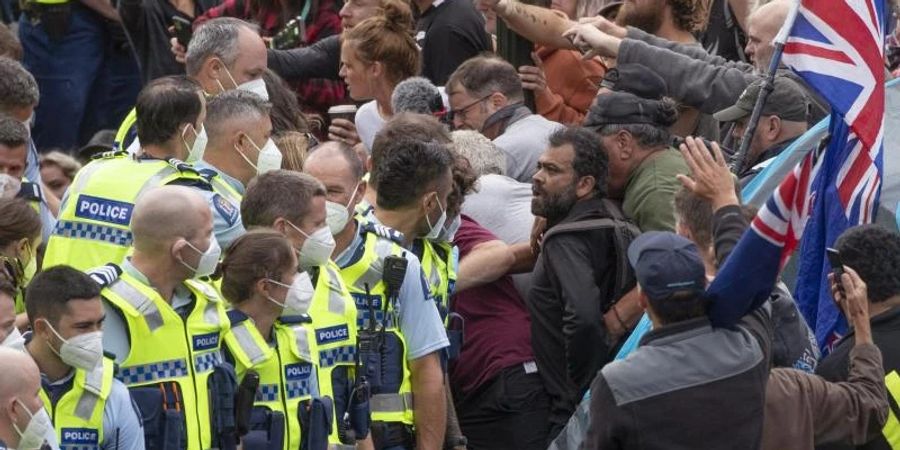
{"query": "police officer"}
[(239, 148), (93, 227), (164, 327), (24, 424), (90, 408), (414, 330), (20, 236), (294, 204), (269, 335), (14, 140), (224, 54)]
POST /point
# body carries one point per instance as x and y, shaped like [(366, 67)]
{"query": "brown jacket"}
[(803, 410)]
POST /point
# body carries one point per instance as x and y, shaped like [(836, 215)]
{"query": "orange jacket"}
[(571, 85)]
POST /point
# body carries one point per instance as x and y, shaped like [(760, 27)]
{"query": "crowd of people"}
[(343, 224)]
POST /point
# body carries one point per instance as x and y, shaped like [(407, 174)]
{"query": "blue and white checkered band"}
[(267, 393), (345, 354), (76, 230), (207, 361), (362, 319), (147, 373)]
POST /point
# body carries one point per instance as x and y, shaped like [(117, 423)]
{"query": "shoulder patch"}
[(383, 232), (225, 209), (105, 275), (30, 192)]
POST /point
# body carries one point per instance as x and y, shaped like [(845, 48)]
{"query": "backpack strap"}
[(624, 231)]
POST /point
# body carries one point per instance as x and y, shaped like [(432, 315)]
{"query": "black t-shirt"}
[(147, 23), (723, 36), (450, 32)]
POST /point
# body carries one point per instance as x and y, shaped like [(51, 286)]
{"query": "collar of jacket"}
[(677, 332), (579, 210), (506, 116)]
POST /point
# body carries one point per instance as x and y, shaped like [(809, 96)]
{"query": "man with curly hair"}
[(874, 253)]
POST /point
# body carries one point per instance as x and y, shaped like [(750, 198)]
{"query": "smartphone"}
[(837, 267), (183, 30)]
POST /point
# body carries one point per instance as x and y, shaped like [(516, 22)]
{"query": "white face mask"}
[(195, 151), (317, 247), (257, 86), (14, 340), (39, 430), (208, 259), (438, 226), (269, 157), (84, 351), (337, 214), (299, 295), (449, 232)]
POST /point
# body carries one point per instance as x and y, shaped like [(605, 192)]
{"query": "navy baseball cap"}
[(666, 263)]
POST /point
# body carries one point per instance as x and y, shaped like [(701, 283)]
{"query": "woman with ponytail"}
[(271, 337), (376, 55)]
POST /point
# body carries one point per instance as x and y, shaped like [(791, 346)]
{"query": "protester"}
[(57, 171), (486, 95), (872, 252), (286, 112), (377, 54), (782, 120), (449, 32), (66, 342), (164, 327), (642, 165), (24, 423), (260, 279), (580, 273)]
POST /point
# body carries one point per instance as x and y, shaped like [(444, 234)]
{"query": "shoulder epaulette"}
[(236, 317), (109, 154), (105, 275), (30, 192), (295, 319), (182, 166), (207, 174), (383, 232)]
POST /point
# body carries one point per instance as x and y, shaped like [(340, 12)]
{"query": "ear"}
[(773, 127), (625, 140), (585, 186), (22, 245), (280, 225), (214, 68), (179, 245), (642, 299), (262, 286), (377, 69), (498, 100)]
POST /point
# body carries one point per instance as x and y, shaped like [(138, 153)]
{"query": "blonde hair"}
[(67, 164), (387, 38), (294, 147)]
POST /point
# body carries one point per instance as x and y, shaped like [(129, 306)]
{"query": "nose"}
[(345, 11), (457, 122)]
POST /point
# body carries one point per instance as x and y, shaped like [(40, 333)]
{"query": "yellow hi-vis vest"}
[(285, 372), (78, 414), (439, 265), (334, 319), (94, 223), (167, 349), (891, 430), (379, 242), (127, 124)]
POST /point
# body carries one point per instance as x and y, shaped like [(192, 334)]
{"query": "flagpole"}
[(740, 160)]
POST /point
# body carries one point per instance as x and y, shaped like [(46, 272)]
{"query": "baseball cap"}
[(787, 101), (665, 263)]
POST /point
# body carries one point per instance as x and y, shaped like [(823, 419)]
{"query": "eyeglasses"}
[(464, 110)]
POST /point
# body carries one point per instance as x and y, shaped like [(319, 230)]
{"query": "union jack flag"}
[(836, 46)]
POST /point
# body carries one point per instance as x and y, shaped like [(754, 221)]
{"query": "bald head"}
[(762, 26), (334, 157), (167, 213), (21, 377)]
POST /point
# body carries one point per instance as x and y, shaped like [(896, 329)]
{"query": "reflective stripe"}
[(891, 430), (391, 403), (247, 343), (302, 340), (82, 230), (375, 271), (175, 368), (267, 393), (93, 387), (143, 304), (342, 354), (207, 361), (225, 190), (211, 313)]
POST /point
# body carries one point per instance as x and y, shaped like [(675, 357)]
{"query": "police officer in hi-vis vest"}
[(272, 336), (406, 336), (166, 328), (93, 227), (294, 205), (90, 408)]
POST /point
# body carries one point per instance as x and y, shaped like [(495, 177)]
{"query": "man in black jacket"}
[(576, 279), (874, 253)]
